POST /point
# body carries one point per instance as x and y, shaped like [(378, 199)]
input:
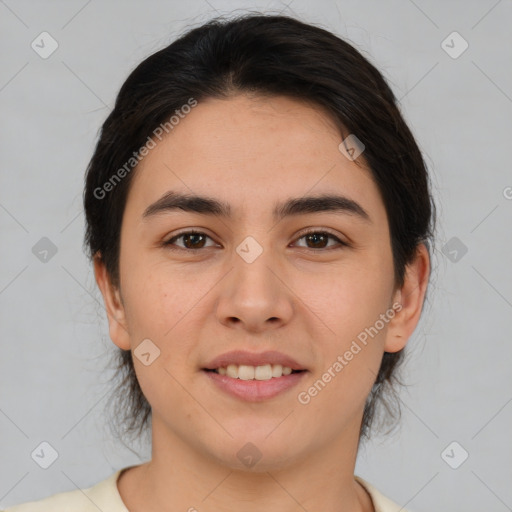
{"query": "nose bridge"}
[(253, 262), (254, 282)]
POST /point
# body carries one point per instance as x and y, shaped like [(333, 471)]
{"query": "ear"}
[(411, 297), (114, 307)]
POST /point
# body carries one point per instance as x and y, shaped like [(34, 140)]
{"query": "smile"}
[(251, 389), (246, 372)]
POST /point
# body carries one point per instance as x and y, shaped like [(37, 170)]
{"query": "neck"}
[(179, 477)]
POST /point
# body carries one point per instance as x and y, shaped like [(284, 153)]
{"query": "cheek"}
[(347, 299), (163, 307), (347, 306), (351, 346), (155, 299), (157, 310)]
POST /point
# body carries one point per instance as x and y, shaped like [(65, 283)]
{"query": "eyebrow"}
[(204, 205)]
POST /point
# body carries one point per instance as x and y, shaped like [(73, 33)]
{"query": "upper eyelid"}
[(327, 231), (340, 240)]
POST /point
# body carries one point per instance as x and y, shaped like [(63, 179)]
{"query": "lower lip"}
[(255, 390)]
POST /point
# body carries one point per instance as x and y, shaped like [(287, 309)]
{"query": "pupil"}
[(316, 236), (187, 238)]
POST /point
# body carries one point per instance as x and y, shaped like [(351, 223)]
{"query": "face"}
[(305, 284)]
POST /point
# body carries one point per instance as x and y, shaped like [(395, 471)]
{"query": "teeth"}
[(277, 370), (263, 372), (245, 372)]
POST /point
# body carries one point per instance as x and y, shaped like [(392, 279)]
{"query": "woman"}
[(259, 219)]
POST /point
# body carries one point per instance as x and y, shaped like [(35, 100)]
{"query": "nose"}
[(255, 296)]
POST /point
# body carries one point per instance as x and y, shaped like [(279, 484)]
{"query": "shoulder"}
[(381, 503), (103, 496)]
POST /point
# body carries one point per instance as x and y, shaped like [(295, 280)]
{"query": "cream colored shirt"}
[(105, 496)]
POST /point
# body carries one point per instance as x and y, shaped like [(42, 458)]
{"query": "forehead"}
[(250, 152)]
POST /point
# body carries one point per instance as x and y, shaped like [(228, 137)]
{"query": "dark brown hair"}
[(271, 55)]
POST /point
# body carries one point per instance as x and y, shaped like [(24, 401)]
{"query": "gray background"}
[(53, 382)]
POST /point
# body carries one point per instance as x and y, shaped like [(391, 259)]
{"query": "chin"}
[(256, 451), (251, 459)]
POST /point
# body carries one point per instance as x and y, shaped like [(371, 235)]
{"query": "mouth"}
[(247, 372), (254, 383), (254, 377)]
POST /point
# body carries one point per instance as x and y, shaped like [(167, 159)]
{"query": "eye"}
[(319, 239), (191, 239), (194, 240)]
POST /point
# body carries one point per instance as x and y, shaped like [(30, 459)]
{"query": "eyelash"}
[(170, 243)]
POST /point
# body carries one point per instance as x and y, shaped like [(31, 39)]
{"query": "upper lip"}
[(239, 357)]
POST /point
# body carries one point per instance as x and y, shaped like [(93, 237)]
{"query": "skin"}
[(308, 302)]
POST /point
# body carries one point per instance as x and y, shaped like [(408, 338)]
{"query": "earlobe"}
[(411, 297), (113, 305)]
